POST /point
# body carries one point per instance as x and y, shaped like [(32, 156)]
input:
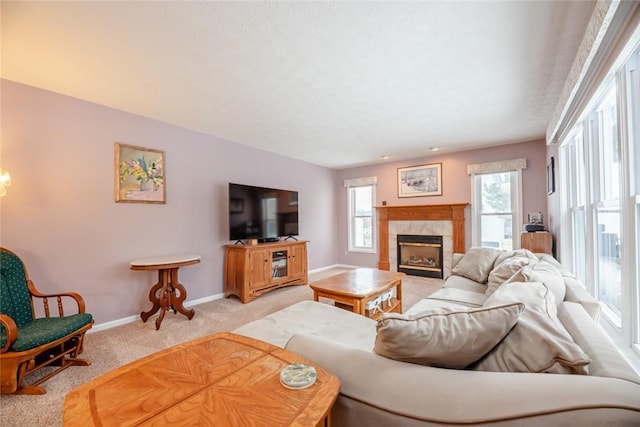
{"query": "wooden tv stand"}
[(252, 270)]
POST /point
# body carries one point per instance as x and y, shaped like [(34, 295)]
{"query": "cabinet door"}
[(298, 261), (258, 268), (537, 242), (280, 264)]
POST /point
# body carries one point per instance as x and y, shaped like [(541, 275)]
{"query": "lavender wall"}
[(456, 187), (61, 218)]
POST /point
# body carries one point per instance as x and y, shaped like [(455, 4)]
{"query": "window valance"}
[(496, 167), (359, 182)]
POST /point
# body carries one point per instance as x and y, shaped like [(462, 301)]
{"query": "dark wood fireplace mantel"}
[(451, 212)]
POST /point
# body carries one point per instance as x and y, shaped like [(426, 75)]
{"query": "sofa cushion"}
[(538, 342), (476, 264), (521, 253), (47, 329), (545, 273), (312, 318), (445, 337), (465, 284), (427, 304), (505, 271), (551, 260), (577, 292), (459, 296)]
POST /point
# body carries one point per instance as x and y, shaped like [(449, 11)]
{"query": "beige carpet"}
[(117, 346)]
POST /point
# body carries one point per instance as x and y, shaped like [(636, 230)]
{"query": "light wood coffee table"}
[(356, 287), (222, 379)]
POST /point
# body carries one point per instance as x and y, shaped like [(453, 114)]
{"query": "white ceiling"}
[(337, 84)]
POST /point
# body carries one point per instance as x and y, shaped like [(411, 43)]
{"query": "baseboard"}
[(130, 319), (329, 267)]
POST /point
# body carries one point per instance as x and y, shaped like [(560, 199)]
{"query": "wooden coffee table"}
[(357, 287), (222, 379)]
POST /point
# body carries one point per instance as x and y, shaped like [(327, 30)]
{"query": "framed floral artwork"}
[(424, 180), (140, 174)]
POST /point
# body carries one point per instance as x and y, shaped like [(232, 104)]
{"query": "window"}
[(606, 203), (601, 209), (573, 155), (497, 204), (633, 88), (360, 203)]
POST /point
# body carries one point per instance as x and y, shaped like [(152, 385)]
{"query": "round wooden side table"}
[(168, 293)]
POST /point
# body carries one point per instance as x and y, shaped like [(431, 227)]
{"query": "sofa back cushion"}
[(446, 337), (476, 264), (521, 253), (577, 292), (538, 342)]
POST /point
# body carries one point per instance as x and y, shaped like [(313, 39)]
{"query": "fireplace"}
[(420, 255)]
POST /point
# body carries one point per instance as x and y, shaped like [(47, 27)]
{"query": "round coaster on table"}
[(298, 376)]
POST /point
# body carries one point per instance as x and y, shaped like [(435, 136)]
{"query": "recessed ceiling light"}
[(434, 148), (385, 157)]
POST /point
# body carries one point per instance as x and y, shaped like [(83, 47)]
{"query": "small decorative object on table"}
[(373, 306), (298, 376), (387, 299)]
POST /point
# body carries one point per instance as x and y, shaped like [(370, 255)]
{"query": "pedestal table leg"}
[(177, 300)]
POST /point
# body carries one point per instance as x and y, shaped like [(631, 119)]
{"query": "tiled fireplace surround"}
[(436, 220)]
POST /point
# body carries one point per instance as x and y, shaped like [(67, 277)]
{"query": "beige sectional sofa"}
[(553, 367)]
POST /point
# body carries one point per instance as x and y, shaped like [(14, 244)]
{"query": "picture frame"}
[(535, 218), (551, 176), (139, 174), (419, 181)]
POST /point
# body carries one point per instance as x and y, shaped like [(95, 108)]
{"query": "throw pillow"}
[(538, 342), (504, 272), (445, 337), (476, 264), (545, 273)]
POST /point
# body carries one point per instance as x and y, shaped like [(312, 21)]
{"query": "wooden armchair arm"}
[(76, 297), (12, 331)]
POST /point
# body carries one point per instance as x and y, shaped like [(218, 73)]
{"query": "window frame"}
[(516, 203), (351, 185)]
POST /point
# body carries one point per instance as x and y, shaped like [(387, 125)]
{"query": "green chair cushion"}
[(15, 300), (46, 329)]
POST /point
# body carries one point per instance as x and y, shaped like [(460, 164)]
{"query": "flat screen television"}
[(262, 213)]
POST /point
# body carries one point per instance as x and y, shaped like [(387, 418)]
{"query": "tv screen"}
[(262, 213)]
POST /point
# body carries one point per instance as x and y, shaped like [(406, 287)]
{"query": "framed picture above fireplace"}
[(423, 180)]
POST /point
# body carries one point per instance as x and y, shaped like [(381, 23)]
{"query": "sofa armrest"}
[(458, 396), (456, 259)]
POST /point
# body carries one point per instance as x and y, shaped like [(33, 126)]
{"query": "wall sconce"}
[(5, 181)]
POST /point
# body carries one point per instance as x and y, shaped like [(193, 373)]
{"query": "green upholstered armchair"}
[(27, 342)]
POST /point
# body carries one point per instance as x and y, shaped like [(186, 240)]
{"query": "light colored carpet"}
[(117, 346)]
